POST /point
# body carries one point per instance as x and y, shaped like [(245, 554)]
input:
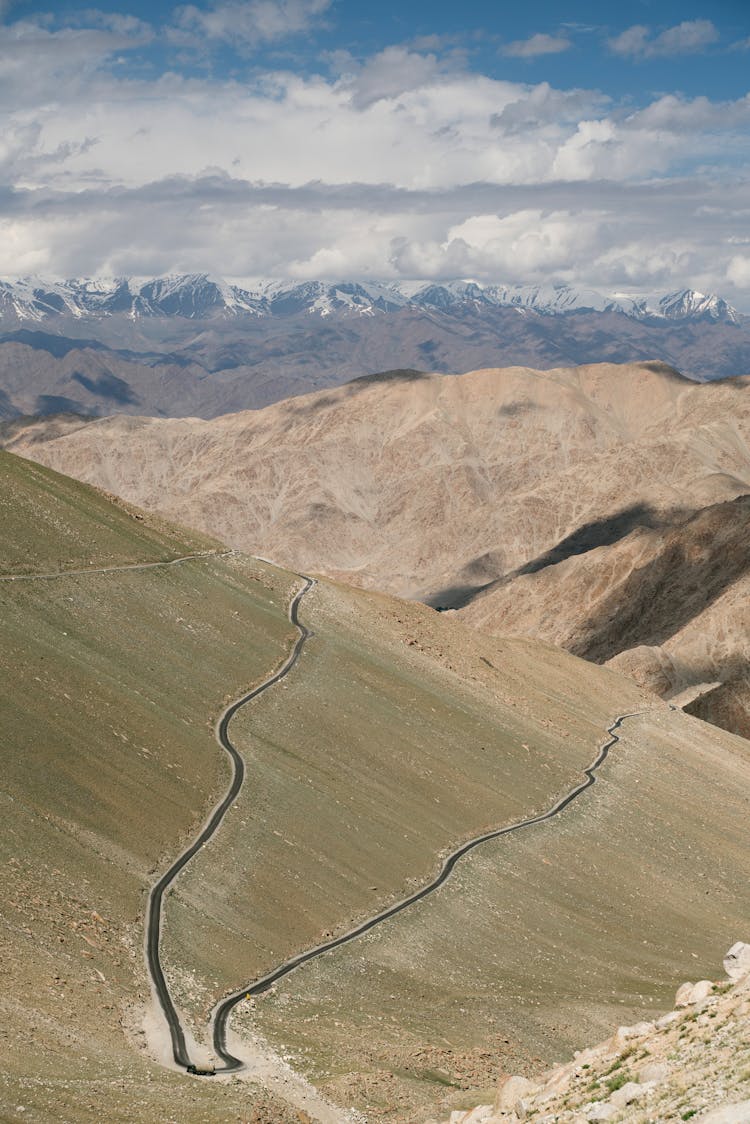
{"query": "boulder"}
[(690, 993), (625, 1034), (737, 1113), (627, 1093), (599, 1111), (682, 995), (737, 961), (653, 1073), (510, 1091), (638, 1030)]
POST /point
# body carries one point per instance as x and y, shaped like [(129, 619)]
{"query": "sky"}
[(336, 139)]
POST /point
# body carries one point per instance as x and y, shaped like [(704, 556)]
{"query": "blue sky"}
[(299, 138), (483, 31)]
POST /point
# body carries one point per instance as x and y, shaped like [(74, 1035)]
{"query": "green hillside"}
[(397, 735), (108, 685), (51, 522)]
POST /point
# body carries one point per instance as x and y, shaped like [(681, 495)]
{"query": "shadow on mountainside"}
[(590, 536), (405, 374), (727, 705), (108, 386), (602, 532), (696, 563), (309, 404)]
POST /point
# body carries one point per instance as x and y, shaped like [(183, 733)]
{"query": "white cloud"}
[(388, 74), (648, 263), (589, 153), (596, 234), (118, 22), (403, 163), (686, 38), (250, 22), (46, 71), (677, 115), (542, 105), (634, 41), (537, 45), (738, 271), (525, 245)]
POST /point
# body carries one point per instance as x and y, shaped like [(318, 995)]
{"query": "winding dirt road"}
[(154, 908), (54, 574), (223, 1010)]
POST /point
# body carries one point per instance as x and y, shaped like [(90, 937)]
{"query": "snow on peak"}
[(202, 296)]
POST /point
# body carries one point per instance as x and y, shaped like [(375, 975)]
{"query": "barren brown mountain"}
[(592, 505), (669, 604)]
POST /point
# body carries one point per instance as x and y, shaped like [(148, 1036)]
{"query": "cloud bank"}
[(402, 164)]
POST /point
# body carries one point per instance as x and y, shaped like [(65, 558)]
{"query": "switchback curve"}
[(224, 1009), (154, 907)]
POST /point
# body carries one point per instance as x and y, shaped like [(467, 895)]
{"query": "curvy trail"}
[(224, 1008), (113, 569), (154, 908)]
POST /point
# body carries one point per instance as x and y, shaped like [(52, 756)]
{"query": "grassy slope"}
[(545, 940), (398, 734), (52, 523), (542, 941), (109, 682), (371, 759)]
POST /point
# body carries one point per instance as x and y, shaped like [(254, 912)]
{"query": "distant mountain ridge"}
[(196, 346), (201, 296)]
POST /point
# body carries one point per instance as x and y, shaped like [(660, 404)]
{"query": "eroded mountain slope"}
[(667, 603), (579, 505), (424, 484), (543, 940), (110, 685)]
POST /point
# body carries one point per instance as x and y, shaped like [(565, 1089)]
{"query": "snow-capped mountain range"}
[(201, 296), (196, 345)]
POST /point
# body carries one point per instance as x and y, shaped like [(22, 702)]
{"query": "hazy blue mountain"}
[(197, 345)]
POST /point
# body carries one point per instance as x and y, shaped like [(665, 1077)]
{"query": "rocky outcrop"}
[(693, 1063), (737, 961)]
